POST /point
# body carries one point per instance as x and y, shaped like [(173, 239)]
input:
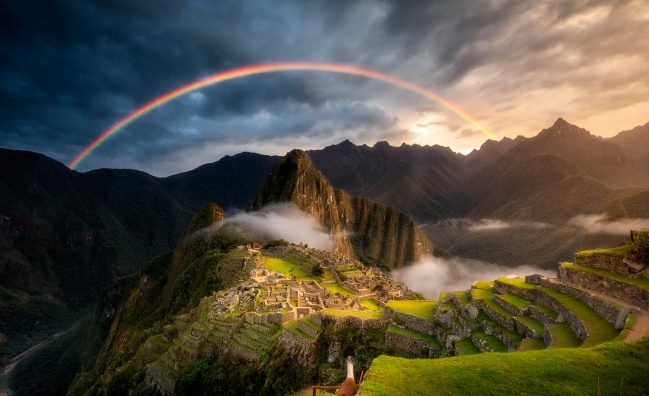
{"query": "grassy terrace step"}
[(641, 283), (517, 301), (512, 335), (256, 335), (492, 342), (466, 347), (337, 289), (421, 308), (562, 336), (462, 297), (372, 305), (530, 323), (618, 251), (599, 329), (351, 312), (431, 340), (531, 344), (292, 327), (547, 372), (487, 297)]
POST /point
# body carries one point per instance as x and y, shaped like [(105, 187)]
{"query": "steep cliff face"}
[(376, 234)]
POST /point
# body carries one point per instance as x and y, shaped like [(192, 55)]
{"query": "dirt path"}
[(640, 328)]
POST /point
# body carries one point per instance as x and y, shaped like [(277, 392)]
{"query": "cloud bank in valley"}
[(282, 221), (433, 275), (590, 224), (602, 224)]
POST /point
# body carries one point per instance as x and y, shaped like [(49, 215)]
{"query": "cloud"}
[(492, 224), (602, 224), (71, 69), (281, 221), (433, 275)]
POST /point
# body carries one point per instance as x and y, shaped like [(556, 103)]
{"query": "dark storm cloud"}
[(70, 69)]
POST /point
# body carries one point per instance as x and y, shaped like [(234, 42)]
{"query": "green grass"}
[(492, 342), (598, 328), (517, 301), (641, 283), (463, 296), (432, 340), (487, 297), (292, 327), (371, 305), (531, 344), (611, 369), (562, 336), (466, 347), (618, 251), (350, 312), (517, 282), (336, 288), (546, 311), (531, 323), (422, 308), (286, 267), (483, 285)]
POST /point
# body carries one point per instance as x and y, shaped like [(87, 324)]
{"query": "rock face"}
[(376, 234)]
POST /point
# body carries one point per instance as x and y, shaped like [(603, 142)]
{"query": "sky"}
[(71, 69)]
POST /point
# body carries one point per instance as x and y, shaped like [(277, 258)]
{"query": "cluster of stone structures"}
[(595, 299), (272, 291)]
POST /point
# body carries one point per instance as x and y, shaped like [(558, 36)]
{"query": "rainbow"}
[(246, 71)]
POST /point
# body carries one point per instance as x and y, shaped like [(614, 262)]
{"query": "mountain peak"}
[(560, 122), (563, 129)]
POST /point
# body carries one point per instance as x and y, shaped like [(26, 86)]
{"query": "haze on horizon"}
[(73, 69)]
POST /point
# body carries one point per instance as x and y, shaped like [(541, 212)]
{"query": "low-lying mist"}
[(281, 221), (433, 275)]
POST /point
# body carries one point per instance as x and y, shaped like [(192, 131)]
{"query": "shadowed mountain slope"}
[(417, 180), (376, 234)]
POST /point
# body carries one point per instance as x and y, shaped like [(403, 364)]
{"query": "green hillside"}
[(609, 369)]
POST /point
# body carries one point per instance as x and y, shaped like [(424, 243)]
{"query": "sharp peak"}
[(563, 127)]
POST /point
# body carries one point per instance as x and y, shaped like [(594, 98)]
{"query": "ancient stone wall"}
[(414, 322), (564, 315), (634, 295), (612, 312), (413, 345)]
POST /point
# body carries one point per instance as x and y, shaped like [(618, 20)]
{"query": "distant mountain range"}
[(65, 236)]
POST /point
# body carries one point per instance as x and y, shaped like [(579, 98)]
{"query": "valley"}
[(222, 296)]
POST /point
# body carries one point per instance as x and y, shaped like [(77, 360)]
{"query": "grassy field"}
[(350, 312), (642, 283), (609, 369), (336, 288), (287, 268), (423, 308)]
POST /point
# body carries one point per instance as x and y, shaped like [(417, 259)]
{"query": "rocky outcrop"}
[(376, 234)]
